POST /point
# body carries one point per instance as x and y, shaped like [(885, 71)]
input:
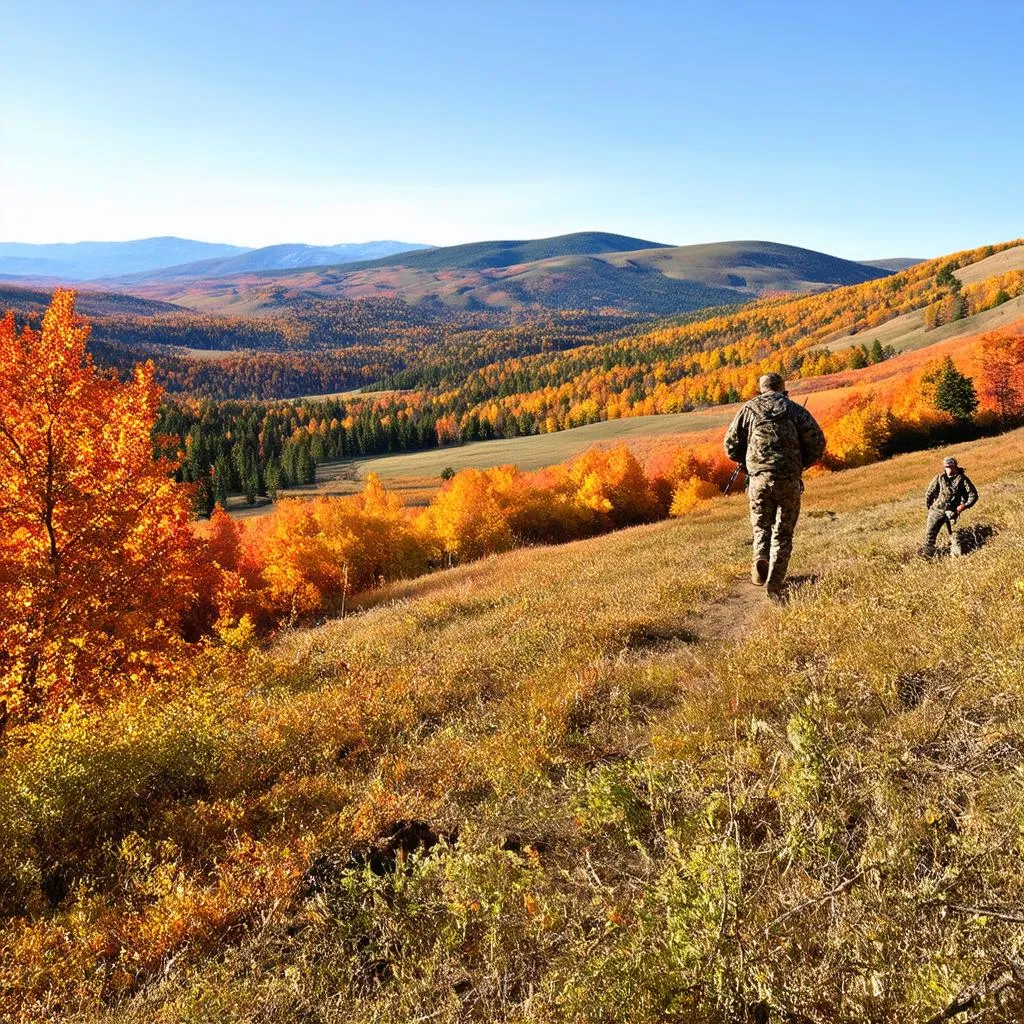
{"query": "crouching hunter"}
[(775, 440)]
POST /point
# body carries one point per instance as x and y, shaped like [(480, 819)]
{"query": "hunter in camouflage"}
[(775, 440), (949, 494)]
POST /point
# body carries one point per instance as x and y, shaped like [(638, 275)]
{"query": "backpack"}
[(773, 441)]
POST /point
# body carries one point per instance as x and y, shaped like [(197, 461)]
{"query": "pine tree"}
[(221, 481), (272, 476), (202, 497), (955, 393), (945, 278)]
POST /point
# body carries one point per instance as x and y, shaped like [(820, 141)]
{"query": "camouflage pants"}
[(933, 527), (774, 510)]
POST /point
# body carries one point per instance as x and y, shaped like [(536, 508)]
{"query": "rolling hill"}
[(587, 271), (507, 253), (895, 264), (90, 303), (908, 331)]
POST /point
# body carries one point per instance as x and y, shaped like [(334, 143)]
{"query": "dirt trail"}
[(726, 618), (741, 606)]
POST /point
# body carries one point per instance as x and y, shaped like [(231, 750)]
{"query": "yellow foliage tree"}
[(612, 484), (858, 434), (468, 519), (690, 493)]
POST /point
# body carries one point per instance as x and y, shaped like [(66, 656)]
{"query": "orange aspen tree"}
[(1002, 374), (96, 549)]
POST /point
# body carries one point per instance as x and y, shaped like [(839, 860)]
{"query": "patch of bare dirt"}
[(730, 615)]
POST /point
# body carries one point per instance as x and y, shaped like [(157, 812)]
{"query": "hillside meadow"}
[(594, 782), (294, 769), (416, 476)]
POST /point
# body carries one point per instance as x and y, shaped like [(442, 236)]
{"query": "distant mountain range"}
[(81, 261), (90, 261), (586, 270), (582, 271), (283, 257)]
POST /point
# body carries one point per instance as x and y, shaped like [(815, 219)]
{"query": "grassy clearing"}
[(817, 818), (417, 475), (998, 263), (907, 334)]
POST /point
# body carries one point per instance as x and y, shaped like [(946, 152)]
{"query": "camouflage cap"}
[(949, 461), (771, 382)]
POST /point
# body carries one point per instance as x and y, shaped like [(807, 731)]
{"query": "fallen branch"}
[(819, 899), (994, 912)]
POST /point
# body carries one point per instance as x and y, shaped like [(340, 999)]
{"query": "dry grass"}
[(817, 818), (907, 333)]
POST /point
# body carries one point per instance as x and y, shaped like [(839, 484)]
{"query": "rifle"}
[(732, 479)]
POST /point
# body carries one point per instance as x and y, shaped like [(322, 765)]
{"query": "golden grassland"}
[(907, 332), (562, 785)]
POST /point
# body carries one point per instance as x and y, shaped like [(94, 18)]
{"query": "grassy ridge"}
[(490, 255), (584, 271), (33, 301), (816, 811)]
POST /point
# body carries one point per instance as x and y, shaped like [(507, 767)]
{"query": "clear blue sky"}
[(863, 129)]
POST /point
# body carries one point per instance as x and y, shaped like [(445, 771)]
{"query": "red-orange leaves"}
[(96, 548), (613, 484), (1002, 374)]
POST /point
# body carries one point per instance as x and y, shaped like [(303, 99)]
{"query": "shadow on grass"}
[(967, 539)]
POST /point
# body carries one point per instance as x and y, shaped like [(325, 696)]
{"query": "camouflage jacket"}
[(772, 434), (947, 493)]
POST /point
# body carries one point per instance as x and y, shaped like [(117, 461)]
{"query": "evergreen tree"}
[(221, 480), (954, 393), (202, 498), (272, 476), (305, 467), (945, 278)]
